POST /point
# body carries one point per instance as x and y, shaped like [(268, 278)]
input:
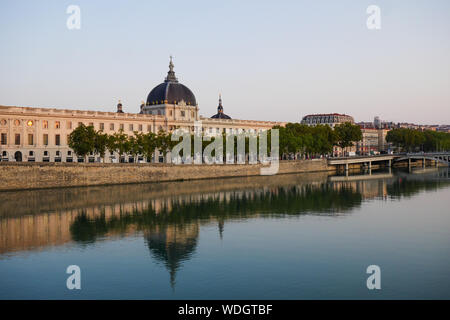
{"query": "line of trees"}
[(411, 140), (84, 140), (299, 140), (295, 141)]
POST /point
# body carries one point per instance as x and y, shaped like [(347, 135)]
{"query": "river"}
[(302, 236)]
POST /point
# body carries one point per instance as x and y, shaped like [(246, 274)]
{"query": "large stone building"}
[(331, 119), (41, 134)]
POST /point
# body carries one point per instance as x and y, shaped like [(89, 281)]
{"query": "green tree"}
[(82, 140), (149, 145), (164, 143), (346, 134), (121, 143), (100, 143)]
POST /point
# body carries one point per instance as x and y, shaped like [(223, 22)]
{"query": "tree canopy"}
[(411, 140)]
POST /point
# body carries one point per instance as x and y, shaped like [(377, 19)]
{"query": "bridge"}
[(437, 157), (366, 160), (388, 159)]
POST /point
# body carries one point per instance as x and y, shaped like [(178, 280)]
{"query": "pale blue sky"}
[(271, 60)]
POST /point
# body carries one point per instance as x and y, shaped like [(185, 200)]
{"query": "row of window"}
[(131, 127), (231, 130), (31, 153), (57, 125), (45, 138), (326, 120), (182, 113), (30, 140)]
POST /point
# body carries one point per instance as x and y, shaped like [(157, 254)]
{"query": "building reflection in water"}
[(169, 215), (172, 244)]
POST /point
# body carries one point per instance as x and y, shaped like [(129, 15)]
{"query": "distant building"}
[(373, 141), (443, 128), (331, 119), (377, 122), (408, 125), (366, 125)]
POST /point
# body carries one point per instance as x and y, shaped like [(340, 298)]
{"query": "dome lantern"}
[(171, 74)]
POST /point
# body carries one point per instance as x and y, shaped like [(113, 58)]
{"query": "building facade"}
[(331, 119), (41, 134)]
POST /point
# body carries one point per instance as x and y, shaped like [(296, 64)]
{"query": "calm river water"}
[(306, 236)]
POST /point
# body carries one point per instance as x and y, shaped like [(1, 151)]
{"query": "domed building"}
[(40, 134), (171, 98)]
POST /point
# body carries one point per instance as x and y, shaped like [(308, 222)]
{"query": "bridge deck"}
[(361, 159), (443, 157)]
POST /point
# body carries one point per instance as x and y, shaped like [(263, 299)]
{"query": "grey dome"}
[(171, 91)]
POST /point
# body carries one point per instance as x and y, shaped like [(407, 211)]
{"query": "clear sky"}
[(271, 60)]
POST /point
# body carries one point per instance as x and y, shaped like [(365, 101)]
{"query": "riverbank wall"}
[(29, 175)]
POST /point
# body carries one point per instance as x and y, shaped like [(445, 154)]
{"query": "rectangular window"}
[(140, 127), (57, 140), (111, 126), (102, 126), (131, 127), (45, 140), (91, 124), (69, 124), (149, 128), (45, 124), (57, 124), (121, 126), (4, 139), (17, 139), (182, 113), (30, 139)]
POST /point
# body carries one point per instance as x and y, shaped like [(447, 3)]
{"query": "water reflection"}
[(169, 215)]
